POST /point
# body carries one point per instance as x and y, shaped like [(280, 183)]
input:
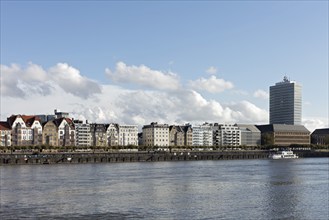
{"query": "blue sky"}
[(111, 59)]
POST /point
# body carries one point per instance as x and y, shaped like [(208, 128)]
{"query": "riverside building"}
[(128, 135), (284, 135), (320, 136), (226, 135), (180, 135), (250, 135), (82, 132), (202, 135), (156, 135), (286, 103)]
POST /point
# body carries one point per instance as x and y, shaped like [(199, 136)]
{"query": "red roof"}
[(28, 119), (58, 121), (4, 125)]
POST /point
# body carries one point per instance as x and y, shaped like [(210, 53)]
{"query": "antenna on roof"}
[(285, 79)]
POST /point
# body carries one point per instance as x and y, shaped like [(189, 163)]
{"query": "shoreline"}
[(140, 156)]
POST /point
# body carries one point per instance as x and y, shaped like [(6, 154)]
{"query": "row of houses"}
[(60, 130), (23, 130)]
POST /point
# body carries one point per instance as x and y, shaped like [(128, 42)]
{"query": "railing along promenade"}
[(19, 158)]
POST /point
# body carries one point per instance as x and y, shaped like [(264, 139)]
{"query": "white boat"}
[(285, 154)]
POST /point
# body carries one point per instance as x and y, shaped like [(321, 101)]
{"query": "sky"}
[(174, 62)]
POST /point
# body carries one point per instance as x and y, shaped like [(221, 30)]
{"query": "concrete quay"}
[(117, 157), (75, 158)]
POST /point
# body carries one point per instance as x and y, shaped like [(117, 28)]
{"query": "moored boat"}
[(285, 154)]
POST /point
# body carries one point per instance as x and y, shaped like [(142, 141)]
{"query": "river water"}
[(231, 189)]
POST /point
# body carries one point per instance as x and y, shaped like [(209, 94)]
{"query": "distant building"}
[(26, 130), (50, 134), (59, 132), (156, 135), (66, 131), (226, 135), (180, 135), (45, 118), (98, 134), (320, 136), (82, 133), (202, 135), (112, 134), (128, 135), (59, 114), (5, 134), (284, 135), (250, 135), (286, 103)]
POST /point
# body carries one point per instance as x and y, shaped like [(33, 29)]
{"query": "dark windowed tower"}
[(286, 103)]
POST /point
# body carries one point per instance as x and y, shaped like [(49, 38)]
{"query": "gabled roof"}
[(180, 128), (115, 125), (11, 119), (4, 125), (28, 119), (186, 127), (58, 122)]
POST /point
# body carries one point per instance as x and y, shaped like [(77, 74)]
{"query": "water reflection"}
[(282, 196), (239, 189)]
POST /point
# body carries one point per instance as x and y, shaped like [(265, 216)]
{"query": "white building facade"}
[(202, 135), (82, 133), (26, 130), (112, 133), (5, 134), (128, 135), (66, 132)]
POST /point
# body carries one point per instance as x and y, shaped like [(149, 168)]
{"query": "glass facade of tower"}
[(286, 103)]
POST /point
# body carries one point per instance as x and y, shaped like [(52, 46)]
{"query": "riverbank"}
[(116, 157)]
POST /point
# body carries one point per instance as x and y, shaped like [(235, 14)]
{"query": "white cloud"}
[(312, 123), (123, 106), (249, 113), (33, 80), (185, 106), (18, 82), (144, 76), (212, 85), (211, 70), (70, 79), (261, 94)]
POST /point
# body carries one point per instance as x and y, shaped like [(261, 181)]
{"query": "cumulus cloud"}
[(70, 79), (185, 106), (248, 112), (211, 70), (261, 94), (22, 82), (144, 76), (212, 85), (19, 82), (315, 122), (172, 105)]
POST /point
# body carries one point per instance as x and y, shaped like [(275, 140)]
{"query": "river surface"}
[(230, 189)]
